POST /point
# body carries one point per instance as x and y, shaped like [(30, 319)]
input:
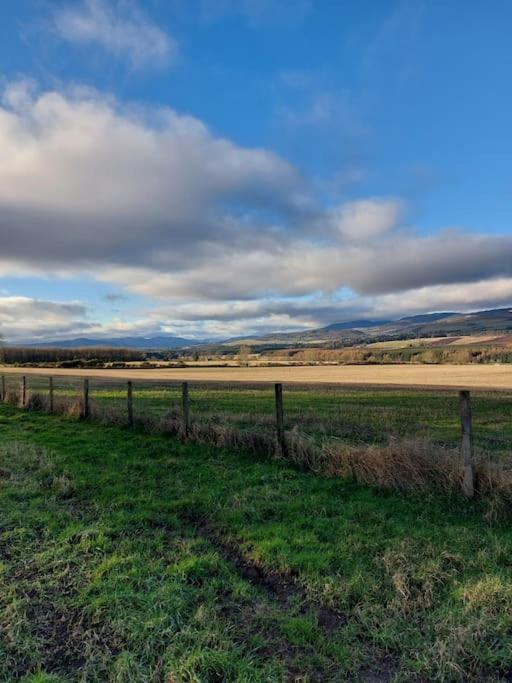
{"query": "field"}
[(496, 376), (465, 340), (132, 557), (339, 413)]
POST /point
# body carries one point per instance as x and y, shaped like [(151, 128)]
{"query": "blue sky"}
[(221, 167)]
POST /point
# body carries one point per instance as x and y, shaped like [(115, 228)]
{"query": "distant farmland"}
[(498, 376)]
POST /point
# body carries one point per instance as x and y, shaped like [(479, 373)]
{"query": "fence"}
[(196, 411)]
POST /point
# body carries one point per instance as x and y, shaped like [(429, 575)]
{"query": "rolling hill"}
[(341, 333), (157, 342), (367, 331)]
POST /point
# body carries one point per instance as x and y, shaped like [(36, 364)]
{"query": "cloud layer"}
[(22, 317), (118, 27), (219, 235)]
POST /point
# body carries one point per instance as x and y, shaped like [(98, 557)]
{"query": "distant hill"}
[(366, 331), (338, 333), (494, 320), (150, 343), (355, 324), (427, 317)]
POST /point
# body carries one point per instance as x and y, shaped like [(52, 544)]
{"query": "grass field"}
[(357, 416), (132, 557)]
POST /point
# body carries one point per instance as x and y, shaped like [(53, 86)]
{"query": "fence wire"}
[(363, 416)]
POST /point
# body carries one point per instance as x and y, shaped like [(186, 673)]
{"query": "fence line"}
[(23, 391), (185, 403), (51, 395), (465, 413), (280, 433), (129, 403), (468, 483), (85, 403)]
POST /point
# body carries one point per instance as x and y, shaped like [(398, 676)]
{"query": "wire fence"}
[(274, 414)]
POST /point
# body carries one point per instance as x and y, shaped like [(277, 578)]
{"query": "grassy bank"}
[(131, 557)]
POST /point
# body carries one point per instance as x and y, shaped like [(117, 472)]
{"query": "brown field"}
[(465, 340), (440, 376)]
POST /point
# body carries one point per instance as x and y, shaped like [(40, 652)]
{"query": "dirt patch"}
[(68, 636), (282, 589), (64, 635), (285, 591)]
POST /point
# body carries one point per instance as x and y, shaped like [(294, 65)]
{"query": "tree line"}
[(23, 354), (403, 355)]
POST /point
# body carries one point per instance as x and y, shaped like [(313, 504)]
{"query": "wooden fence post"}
[(23, 391), (3, 389), (51, 400), (185, 401), (281, 440), (468, 483), (85, 405), (130, 403)]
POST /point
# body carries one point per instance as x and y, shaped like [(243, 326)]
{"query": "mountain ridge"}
[(133, 342), (349, 332), (425, 324)]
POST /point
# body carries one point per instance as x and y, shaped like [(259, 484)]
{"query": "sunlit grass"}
[(105, 575)]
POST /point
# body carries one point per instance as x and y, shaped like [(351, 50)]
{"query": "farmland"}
[(495, 376), (345, 413), (132, 557)]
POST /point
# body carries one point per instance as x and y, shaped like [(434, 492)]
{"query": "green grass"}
[(128, 557), (354, 416)]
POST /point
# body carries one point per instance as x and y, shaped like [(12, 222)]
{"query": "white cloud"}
[(22, 318), (368, 218), (390, 263), (120, 28), (469, 296), (316, 311), (25, 317), (105, 185), (155, 203)]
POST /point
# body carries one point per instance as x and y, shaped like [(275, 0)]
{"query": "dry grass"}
[(455, 340), (13, 396), (469, 376), (402, 465), (36, 401)]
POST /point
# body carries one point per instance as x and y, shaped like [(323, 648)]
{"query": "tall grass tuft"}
[(13, 396), (401, 465), (36, 402)]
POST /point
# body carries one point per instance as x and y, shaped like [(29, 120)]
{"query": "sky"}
[(216, 168)]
